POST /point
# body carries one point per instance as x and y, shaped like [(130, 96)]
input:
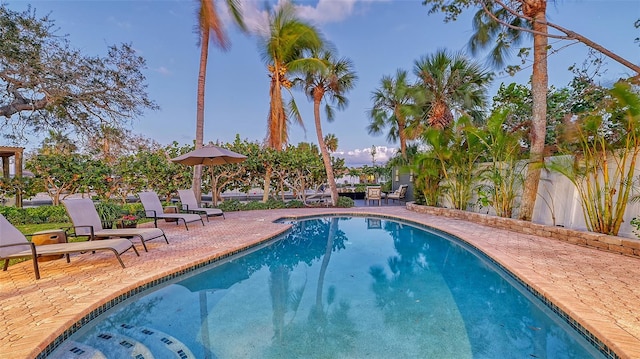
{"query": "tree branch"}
[(568, 35)]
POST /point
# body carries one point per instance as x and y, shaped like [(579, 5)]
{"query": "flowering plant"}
[(129, 219)]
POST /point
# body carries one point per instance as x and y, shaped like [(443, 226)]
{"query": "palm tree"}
[(393, 106), (285, 48), (208, 21), (328, 83), (331, 141), (490, 24), (501, 24), (448, 83)]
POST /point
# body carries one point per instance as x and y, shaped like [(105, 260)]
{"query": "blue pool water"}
[(338, 288)]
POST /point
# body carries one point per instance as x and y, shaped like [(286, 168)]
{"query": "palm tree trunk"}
[(326, 159), (196, 185), (401, 136), (539, 86)]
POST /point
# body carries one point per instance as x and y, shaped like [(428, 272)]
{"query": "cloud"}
[(324, 11), (163, 71), (327, 11), (121, 24), (360, 157)]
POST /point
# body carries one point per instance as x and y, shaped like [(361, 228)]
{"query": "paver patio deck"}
[(600, 290)]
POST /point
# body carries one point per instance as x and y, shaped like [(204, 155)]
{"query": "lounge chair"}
[(190, 205), (374, 193), (14, 244), (153, 209), (86, 222), (320, 196), (398, 194)]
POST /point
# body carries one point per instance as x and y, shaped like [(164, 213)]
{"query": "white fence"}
[(558, 204)]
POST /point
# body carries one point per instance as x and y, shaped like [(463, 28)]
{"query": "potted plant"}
[(108, 212), (127, 221)]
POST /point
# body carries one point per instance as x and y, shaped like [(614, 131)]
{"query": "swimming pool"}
[(338, 287)]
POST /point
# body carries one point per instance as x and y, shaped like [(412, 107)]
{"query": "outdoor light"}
[(397, 175), (411, 176)]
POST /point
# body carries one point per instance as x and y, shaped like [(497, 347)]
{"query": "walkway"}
[(599, 289)]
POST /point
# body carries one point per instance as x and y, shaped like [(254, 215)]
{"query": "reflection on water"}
[(348, 288)]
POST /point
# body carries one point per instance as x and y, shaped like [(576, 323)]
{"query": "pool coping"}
[(259, 230)]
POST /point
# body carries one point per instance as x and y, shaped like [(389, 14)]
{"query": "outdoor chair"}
[(153, 209), (374, 193), (14, 244), (320, 196), (398, 194), (190, 204), (86, 222)]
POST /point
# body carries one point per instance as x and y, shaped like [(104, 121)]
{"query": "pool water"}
[(338, 287)]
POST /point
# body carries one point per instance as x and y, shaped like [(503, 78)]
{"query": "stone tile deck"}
[(600, 290)]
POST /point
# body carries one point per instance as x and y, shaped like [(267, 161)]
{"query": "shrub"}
[(108, 212), (135, 209), (345, 202), (48, 214), (35, 215), (230, 205), (275, 203), (254, 205), (361, 187), (15, 215), (296, 203)]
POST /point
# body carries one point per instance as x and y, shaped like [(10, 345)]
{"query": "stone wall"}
[(621, 245)]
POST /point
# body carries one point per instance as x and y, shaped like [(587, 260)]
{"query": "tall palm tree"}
[(331, 141), (448, 83), (329, 84), (498, 22), (393, 106), (208, 21), (284, 51)]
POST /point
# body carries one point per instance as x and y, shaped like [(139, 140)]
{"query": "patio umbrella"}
[(209, 156)]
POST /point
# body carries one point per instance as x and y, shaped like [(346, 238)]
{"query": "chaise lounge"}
[(153, 209), (398, 194), (189, 204), (14, 244), (86, 222)]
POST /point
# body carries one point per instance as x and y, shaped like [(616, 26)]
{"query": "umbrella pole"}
[(214, 201)]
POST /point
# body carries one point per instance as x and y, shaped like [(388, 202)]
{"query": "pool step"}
[(119, 346), (161, 344), (75, 350), (125, 341)]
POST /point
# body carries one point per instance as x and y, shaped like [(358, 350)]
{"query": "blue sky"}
[(378, 36)]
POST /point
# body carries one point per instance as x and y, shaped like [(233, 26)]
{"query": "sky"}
[(378, 36)]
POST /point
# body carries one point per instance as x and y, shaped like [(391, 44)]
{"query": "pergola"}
[(6, 153)]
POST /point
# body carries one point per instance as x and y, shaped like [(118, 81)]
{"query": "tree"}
[(603, 147), (284, 51), (448, 83), (457, 155), (208, 21), (48, 85), (517, 100), (59, 174), (159, 173), (501, 178), (392, 107), (501, 23), (328, 84)]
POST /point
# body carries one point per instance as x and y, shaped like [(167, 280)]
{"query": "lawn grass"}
[(32, 228)]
